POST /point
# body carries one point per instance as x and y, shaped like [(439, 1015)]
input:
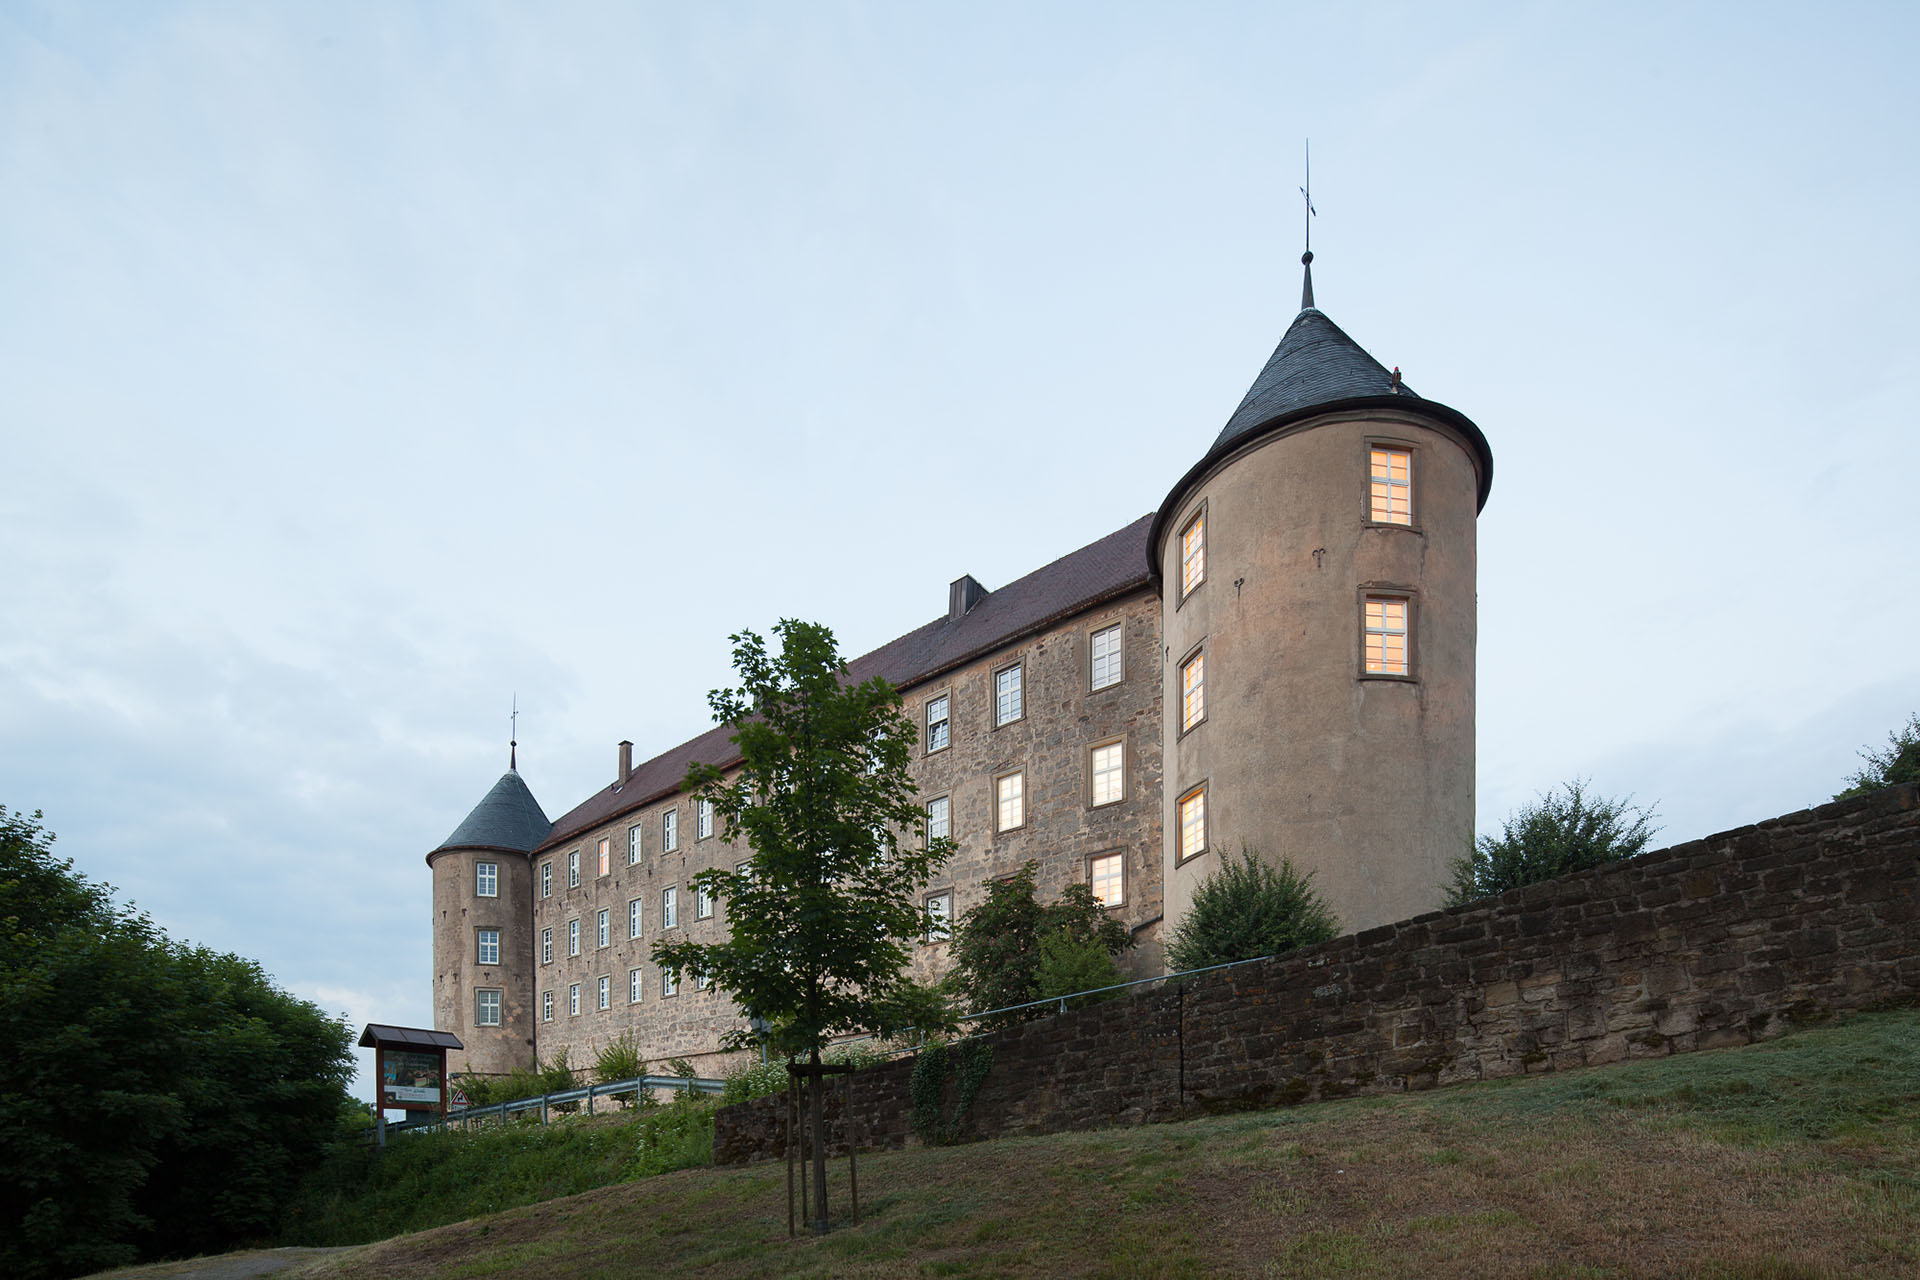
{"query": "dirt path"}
[(225, 1266)]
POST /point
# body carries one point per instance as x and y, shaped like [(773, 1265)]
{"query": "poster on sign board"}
[(410, 1076)]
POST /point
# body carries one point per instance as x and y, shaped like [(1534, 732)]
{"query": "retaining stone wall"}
[(1716, 942)]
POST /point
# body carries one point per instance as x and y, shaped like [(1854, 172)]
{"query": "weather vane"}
[(513, 738), (1306, 193)]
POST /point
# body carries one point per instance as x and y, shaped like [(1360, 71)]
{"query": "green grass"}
[(1794, 1159)]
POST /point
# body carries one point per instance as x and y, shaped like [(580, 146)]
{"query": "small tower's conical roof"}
[(507, 818)]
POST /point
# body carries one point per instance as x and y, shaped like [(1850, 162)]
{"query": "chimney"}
[(962, 596), (626, 763)]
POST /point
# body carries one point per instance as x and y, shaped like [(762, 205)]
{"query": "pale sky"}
[(364, 365)]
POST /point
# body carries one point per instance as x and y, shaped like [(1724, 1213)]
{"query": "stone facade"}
[(459, 914), (1717, 942)]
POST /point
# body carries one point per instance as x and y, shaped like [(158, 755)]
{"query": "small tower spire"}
[(1306, 259), (513, 737)]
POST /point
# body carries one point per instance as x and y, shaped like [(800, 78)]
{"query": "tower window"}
[(486, 1007), (1193, 554), (1193, 691), (488, 949), (486, 879), (1104, 651), (1008, 696), (1390, 500), (939, 724), (1386, 636), (939, 817), (670, 831), (1193, 823), (1009, 792), (1106, 876), (1109, 772)]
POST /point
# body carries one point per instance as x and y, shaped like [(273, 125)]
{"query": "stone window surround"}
[(480, 941), (1117, 740), (1386, 591), (636, 985), (1198, 512), (702, 820), (926, 826), (998, 778), (1119, 627), (670, 907), (546, 878), (546, 1006), (1198, 651), (603, 992), (1121, 856), (634, 918), (669, 984), (945, 932), (486, 879), (633, 843), (482, 1006), (993, 693), (546, 945), (573, 869), (1412, 450), (573, 1000), (927, 725), (603, 928), (1180, 857), (573, 936), (670, 829)]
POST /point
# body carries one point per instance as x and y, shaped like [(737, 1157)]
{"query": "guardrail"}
[(546, 1102)]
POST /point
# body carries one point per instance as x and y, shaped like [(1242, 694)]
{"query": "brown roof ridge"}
[(1075, 583)]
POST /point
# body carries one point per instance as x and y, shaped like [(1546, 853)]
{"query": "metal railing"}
[(547, 1102)]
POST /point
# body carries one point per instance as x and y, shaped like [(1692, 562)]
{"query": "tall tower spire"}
[(1306, 259), (513, 737)]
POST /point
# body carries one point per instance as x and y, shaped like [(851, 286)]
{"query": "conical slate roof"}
[(1315, 364), (507, 818)]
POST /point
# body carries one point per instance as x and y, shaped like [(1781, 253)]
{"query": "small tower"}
[(482, 922), (1317, 574)]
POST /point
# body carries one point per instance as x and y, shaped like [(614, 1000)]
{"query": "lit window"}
[(489, 946), (486, 879), (1007, 704), (573, 869), (702, 819), (1105, 649), (1386, 636), (606, 854), (486, 1007), (573, 937), (573, 1000), (939, 724), (546, 879), (1193, 691), (1010, 796), (605, 992), (669, 982), (633, 985), (546, 1006), (669, 908), (1109, 769), (939, 818), (633, 845), (546, 945), (1193, 554), (1193, 823), (703, 903), (940, 907), (670, 831), (633, 918), (605, 923), (1106, 875), (1392, 490)]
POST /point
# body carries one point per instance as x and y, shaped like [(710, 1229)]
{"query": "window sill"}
[(1389, 677)]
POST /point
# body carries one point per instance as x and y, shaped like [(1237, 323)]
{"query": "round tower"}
[(482, 930), (1317, 586)]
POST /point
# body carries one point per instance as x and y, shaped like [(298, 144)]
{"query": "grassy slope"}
[(1796, 1158)]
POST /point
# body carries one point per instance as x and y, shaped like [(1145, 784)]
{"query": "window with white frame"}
[(1010, 803), (1008, 696), (669, 982), (670, 831), (573, 937), (605, 991), (939, 817), (1108, 767), (633, 985), (1106, 876), (573, 869), (1193, 823), (1193, 691), (1104, 660), (633, 845), (633, 918), (1386, 637), (546, 1006), (702, 982), (487, 950), (1193, 554), (702, 819), (546, 945), (546, 879), (486, 1007), (604, 925), (940, 907), (605, 850), (573, 1000), (939, 724), (486, 879), (1391, 498), (669, 908), (703, 903)]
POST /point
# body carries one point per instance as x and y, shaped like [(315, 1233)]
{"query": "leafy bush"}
[(996, 946), (1900, 762), (759, 1079), (676, 1136), (620, 1060), (1068, 964), (1248, 908), (1567, 830)]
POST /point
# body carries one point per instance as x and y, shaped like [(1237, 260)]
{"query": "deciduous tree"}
[(1245, 909), (1565, 830)]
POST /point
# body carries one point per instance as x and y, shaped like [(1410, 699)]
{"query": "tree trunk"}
[(817, 1112)]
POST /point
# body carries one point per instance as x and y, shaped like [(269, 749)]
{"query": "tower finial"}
[(513, 738), (1306, 259)]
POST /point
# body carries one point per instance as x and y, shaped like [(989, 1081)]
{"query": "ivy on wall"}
[(969, 1061)]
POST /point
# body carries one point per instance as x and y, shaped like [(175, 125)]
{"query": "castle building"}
[(1281, 657)]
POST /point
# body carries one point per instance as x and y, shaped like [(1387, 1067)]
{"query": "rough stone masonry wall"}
[(1716, 942)]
